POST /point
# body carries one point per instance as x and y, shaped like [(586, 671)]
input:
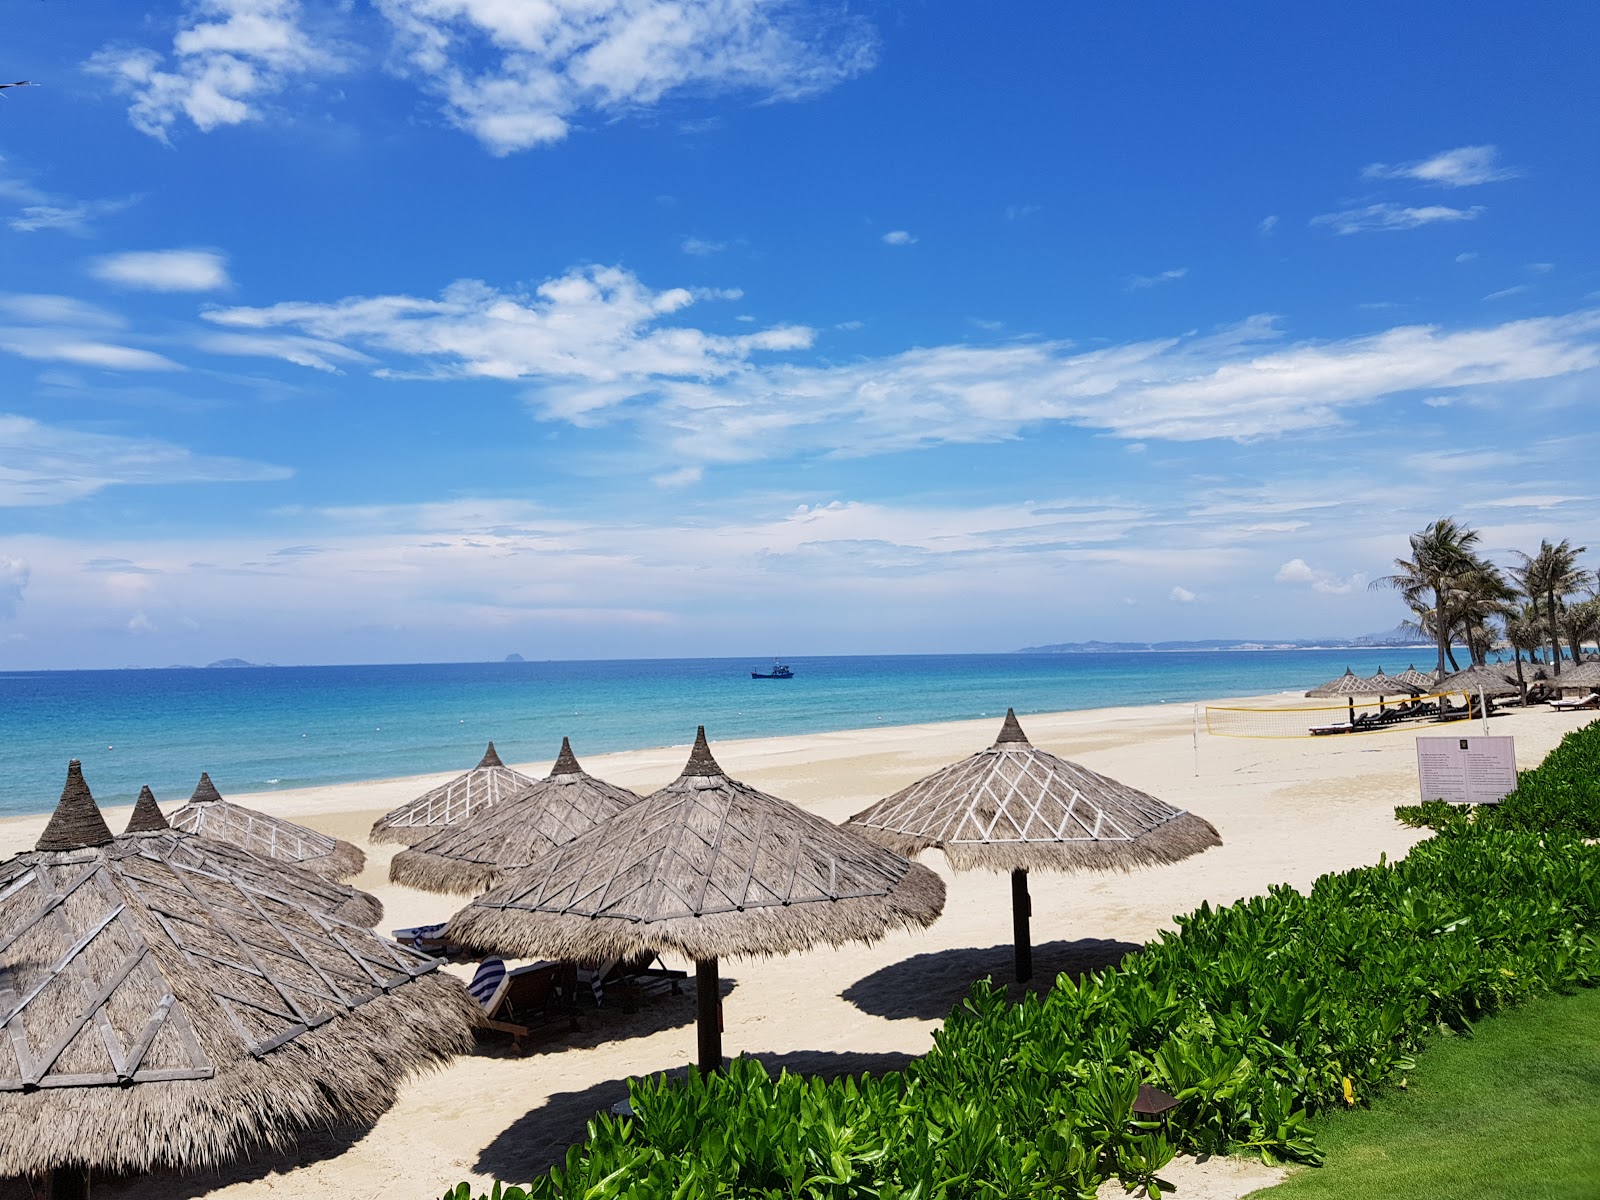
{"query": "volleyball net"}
[(1328, 718)]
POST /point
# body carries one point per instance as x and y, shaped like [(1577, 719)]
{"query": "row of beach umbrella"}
[(202, 986), (1490, 679)]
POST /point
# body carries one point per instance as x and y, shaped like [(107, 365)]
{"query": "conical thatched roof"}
[(157, 1015), (1015, 807), (451, 803), (1391, 685), (707, 867), (470, 857), (1492, 681), (153, 835), (210, 816), (1421, 680), (1348, 684)]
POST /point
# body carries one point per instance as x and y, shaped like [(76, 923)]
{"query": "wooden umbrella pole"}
[(1021, 911), (708, 994), (69, 1183)]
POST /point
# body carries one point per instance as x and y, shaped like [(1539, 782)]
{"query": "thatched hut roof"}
[(488, 783), (1348, 684), (1014, 807), (1584, 674), (471, 857), (1421, 680), (1391, 685), (163, 1016), (1491, 681), (150, 830), (707, 867), (210, 816)]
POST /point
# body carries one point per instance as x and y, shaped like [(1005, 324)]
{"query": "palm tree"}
[(1580, 623), (1523, 634), (1443, 561), (1552, 575), (1482, 595)]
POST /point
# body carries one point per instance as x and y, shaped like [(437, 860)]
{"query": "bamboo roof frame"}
[(210, 816), (452, 803), (156, 1014), (473, 855)]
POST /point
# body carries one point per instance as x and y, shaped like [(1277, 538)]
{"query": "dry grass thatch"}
[(451, 803), (1491, 681), (161, 1015), (1392, 685), (471, 857), (1421, 680), (210, 816), (707, 867), (1584, 674), (1348, 684), (1015, 807)]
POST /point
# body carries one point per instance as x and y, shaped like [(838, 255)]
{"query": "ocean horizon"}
[(265, 728)]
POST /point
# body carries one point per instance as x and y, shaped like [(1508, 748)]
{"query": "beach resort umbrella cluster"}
[(707, 868), (1016, 808), (163, 1013), (1421, 680), (471, 856), (210, 816), (1584, 674), (451, 803), (1351, 684), (1482, 678)]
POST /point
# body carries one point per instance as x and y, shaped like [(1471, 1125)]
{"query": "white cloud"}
[(42, 210), (1268, 226), (1389, 217), (682, 477), (1466, 256), (702, 247), (140, 623), (1298, 571), (14, 574), (227, 60), (517, 75), (1465, 166), (1016, 212), (1136, 283), (898, 237), (1514, 290), (51, 464), (1182, 595), (43, 345), (164, 270)]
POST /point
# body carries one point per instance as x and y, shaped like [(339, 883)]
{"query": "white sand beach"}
[(1288, 811)]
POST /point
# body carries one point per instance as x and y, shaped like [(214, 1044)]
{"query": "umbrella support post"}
[(708, 998), (69, 1183), (1021, 911)]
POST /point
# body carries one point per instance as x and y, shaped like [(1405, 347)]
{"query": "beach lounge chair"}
[(628, 977), (516, 1001), (1592, 700), (429, 939)]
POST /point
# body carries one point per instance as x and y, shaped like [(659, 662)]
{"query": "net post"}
[(1197, 741)]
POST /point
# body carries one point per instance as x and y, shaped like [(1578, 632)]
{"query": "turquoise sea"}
[(256, 729)]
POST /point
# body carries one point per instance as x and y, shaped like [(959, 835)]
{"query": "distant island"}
[(1398, 638), (235, 662), (513, 658)]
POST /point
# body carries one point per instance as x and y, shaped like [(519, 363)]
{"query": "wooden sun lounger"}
[(519, 1000)]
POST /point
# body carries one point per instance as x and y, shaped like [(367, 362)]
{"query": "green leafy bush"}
[(1255, 1016)]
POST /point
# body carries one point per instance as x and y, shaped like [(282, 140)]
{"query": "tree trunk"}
[(708, 998), (1555, 630), (1454, 665), (1439, 634), (1522, 684)]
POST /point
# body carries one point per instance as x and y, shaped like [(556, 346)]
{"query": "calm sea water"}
[(256, 729)]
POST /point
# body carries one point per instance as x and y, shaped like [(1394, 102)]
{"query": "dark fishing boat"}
[(779, 671)]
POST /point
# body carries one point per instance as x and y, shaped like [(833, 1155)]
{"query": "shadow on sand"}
[(538, 1140), (928, 986)]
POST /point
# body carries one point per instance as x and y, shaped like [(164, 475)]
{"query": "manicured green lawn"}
[(1513, 1111)]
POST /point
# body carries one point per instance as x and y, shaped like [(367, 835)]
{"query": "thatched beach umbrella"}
[(1423, 681), (1584, 674), (707, 868), (1017, 808), (472, 856), (1486, 679), (451, 803), (209, 815), (154, 835), (1391, 685), (162, 1016), (1348, 684)]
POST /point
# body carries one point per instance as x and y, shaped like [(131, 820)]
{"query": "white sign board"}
[(1466, 770)]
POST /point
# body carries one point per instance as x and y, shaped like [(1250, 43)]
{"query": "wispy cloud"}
[(1182, 595), (1268, 225), (227, 61), (898, 237), (701, 246), (51, 464), (164, 270), (1136, 283), (1298, 572), (14, 575), (1465, 166), (516, 76), (1016, 212), (41, 210), (1389, 217), (1514, 290)]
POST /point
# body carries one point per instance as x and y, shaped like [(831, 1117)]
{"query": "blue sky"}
[(397, 330)]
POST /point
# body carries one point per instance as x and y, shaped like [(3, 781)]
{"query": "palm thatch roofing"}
[(472, 856), (1392, 685), (488, 783), (708, 868), (1421, 680), (210, 816), (150, 829), (1348, 684), (1584, 674), (157, 1015), (1491, 681), (1014, 807)]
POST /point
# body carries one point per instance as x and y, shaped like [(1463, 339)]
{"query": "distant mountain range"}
[(1398, 637)]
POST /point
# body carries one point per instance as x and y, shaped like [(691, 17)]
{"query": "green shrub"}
[(1255, 1016)]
